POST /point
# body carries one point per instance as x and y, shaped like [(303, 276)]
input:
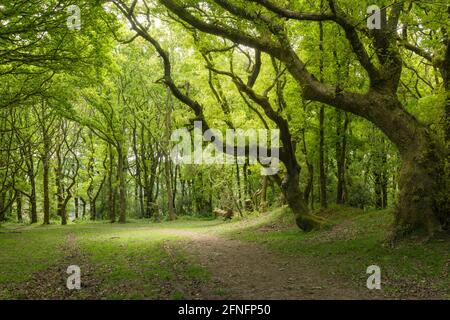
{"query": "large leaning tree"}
[(276, 28)]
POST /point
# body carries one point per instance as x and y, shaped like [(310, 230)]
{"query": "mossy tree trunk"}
[(423, 198), (19, 207), (297, 203), (121, 172), (2, 207)]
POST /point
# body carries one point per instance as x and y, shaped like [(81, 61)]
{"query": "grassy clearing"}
[(131, 261), (136, 260), (140, 260), (23, 253)]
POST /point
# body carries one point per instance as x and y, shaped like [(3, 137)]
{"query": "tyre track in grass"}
[(51, 283)]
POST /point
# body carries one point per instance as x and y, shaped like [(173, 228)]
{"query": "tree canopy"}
[(87, 114)]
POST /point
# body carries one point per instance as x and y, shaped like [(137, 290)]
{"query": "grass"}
[(23, 253), (140, 260), (130, 261)]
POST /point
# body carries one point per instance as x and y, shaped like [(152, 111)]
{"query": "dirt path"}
[(239, 270), (242, 270)]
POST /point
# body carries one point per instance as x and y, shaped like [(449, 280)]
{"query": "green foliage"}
[(359, 196)]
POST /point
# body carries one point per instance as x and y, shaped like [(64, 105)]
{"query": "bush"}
[(359, 196)]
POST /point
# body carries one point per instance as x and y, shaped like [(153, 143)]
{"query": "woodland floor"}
[(260, 257)]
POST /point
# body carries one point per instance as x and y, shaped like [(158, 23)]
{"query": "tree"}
[(422, 153), (46, 118), (67, 166)]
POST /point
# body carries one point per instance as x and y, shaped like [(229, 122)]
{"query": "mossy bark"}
[(423, 204), (299, 206)]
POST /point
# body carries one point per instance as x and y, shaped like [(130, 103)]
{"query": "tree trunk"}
[(45, 176), (59, 183), (138, 178), (380, 174), (245, 170), (64, 208), (263, 203), (420, 192), (33, 200), (112, 189), (167, 166), (322, 171), (323, 177), (290, 184), (423, 198), (238, 183), (93, 209), (63, 213), (183, 195), (422, 203), (141, 201), (341, 152), (309, 185), (174, 187), (446, 77), (2, 207), (378, 190), (19, 207), (149, 175), (122, 186), (151, 194), (83, 204), (76, 203), (90, 189), (155, 209), (172, 215), (296, 202)]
